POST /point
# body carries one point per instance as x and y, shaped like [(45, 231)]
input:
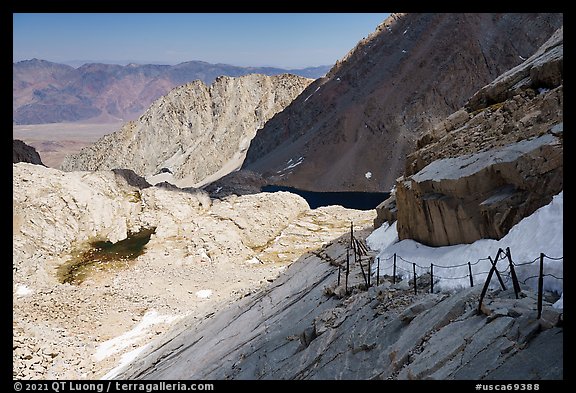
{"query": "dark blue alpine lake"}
[(349, 199)]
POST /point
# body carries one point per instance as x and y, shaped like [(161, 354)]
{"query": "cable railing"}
[(360, 250)]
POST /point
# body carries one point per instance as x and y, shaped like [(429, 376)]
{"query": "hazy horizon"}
[(280, 40), (79, 63)]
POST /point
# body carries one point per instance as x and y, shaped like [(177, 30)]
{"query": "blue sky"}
[(279, 39)]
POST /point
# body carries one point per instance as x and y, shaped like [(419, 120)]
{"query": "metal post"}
[(347, 268), (394, 271), (362, 270), (515, 282), (485, 288), (540, 285), (431, 278), (414, 270), (494, 262), (369, 272), (470, 271), (352, 235), (378, 272)]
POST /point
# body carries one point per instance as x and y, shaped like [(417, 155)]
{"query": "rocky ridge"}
[(488, 165), (415, 70), (203, 255), (194, 134)]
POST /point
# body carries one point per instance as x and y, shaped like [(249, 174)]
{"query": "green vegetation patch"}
[(104, 256)]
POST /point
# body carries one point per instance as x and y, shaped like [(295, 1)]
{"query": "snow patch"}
[(125, 340), (383, 237), (368, 175), (293, 165), (318, 88), (204, 257), (126, 359), (541, 232), (560, 302), (23, 290), (403, 51), (204, 293), (405, 31)]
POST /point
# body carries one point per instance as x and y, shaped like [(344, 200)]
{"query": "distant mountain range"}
[(47, 92)]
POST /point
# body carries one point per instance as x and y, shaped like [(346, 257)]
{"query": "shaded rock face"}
[(241, 182), (21, 152), (544, 69), (412, 72), (195, 133), (387, 211), (487, 166)]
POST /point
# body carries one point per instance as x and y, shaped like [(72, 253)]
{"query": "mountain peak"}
[(195, 132)]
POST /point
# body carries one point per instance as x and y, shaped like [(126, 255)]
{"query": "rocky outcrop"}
[(21, 152), (479, 196), (294, 330), (196, 133), (479, 172), (387, 211), (236, 183), (202, 255), (527, 109), (367, 113), (543, 70)]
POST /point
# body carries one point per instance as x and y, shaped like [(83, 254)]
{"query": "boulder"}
[(478, 196)]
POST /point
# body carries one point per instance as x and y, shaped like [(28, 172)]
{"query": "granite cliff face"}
[(369, 110), (488, 165), (194, 134)]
